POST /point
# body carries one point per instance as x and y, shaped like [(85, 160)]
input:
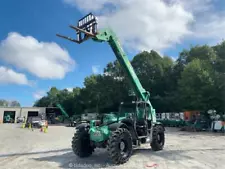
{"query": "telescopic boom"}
[(87, 29)]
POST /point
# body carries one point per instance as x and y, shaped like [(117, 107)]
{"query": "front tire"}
[(81, 144), (158, 138), (120, 146)]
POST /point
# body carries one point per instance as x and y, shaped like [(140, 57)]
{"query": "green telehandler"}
[(136, 120), (66, 117)]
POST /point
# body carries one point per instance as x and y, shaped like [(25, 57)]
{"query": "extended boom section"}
[(110, 37), (62, 110)]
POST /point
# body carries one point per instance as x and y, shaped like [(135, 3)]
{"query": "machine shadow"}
[(178, 131), (174, 155), (33, 153), (164, 154), (99, 159)]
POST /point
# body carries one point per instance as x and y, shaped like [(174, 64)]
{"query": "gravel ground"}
[(24, 148)]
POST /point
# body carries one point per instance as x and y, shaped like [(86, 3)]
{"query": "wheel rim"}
[(123, 148), (160, 138)]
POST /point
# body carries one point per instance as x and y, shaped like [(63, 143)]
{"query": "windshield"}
[(127, 109)]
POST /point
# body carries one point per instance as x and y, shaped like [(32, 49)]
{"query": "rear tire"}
[(81, 144), (120, 146), (158, 138)]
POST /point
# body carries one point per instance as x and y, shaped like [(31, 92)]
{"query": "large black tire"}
[(81, 144), (119, 137), (158, 138)]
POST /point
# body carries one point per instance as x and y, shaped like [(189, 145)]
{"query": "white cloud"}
[(70, 89), (87, 4), (42, 59), (141, 25), (209, 22), (211, 27), (95, 69), (9, 76), (39, 94), (195, 6), (157, 24)]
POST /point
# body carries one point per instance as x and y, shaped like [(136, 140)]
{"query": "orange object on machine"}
[(223, 123), (189, 114)]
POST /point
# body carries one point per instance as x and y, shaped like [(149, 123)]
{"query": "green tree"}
[(42, 102), (196, 86), (14, 103), (3, 103), (196, 80), (154, 72)]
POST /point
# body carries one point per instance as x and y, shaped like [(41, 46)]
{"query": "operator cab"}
[(127, 109), (137, 114), (137, 110)]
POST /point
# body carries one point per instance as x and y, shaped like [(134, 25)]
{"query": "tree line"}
[(6, 103), (194, 81)]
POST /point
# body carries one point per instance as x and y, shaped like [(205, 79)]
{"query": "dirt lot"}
[(23, 148)]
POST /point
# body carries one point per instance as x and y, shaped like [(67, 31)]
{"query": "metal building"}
[(16, 112)]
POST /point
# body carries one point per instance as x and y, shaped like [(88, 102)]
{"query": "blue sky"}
[(28, 42)]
